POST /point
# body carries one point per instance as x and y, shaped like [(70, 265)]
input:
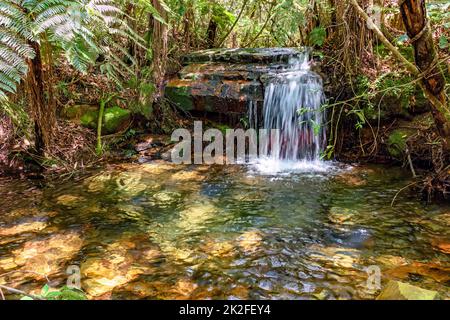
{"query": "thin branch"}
[(400, 191), (234, 24), (269, 18), (20, 292)]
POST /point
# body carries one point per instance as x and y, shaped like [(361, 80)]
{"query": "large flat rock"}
[(226, 81)]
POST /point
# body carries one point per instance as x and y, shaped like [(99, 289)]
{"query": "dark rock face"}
[(225, 81)]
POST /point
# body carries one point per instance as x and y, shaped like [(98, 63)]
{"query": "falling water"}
[(253, 114), (293, 104)]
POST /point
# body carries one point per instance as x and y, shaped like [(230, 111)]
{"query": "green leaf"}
[(44, 290), (443, 42), (317, 36), (53, 295), (26, 298), (72, 294)]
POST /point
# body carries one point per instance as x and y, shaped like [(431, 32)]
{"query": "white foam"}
[(272, 166)]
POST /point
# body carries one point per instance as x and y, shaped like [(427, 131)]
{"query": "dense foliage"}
[(121, 51)]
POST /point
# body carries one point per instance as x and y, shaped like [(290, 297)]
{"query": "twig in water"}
[(398, 193), (411, 166)]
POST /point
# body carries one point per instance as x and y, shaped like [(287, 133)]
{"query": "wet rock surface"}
[(402, 291), (225, 81)]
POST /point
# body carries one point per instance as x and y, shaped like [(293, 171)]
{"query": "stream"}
[(165, 231)]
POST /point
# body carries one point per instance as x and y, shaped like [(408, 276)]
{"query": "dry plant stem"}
[(270, 16), (20, 292), (234, 24), (160, 48)]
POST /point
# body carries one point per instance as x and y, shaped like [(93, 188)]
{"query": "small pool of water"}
[(163, 231)]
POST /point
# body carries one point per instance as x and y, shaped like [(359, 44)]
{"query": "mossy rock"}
[(76, 112), (397, 143), (89, 119), (396, 290), (181, 96), (114, 119)]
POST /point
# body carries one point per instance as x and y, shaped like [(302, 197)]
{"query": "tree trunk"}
[(187, 19), (43, 114), (433, 80), (415, 20), (211, 33), (160, 49)]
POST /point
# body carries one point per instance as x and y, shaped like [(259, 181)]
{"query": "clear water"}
[(162, 231)]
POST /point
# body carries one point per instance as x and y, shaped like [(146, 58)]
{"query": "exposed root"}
[(437, 185)]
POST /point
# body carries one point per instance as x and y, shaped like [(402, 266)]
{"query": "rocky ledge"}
[(225, 81)]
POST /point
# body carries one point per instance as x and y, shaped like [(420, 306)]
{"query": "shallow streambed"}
[(162, 231)]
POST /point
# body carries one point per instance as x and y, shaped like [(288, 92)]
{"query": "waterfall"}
[(293, 104), (253, 114)]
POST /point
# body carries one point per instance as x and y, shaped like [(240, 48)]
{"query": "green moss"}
[(222, 127), (181, 96), (89, 119), (396, 86), (397, 143), (75, 112), (113, 119)]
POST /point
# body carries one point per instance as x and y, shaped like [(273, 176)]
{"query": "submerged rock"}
[(46, 256), (157, 168), (396, 290), (433, 271), (21, 228), (340, 257), (166, 197), (342, 216), (219, 249), (391, 261), (250, 241), (129, 184), (352, 179), (123, 261), (69, 200), (183, 289), (98, 183), (188, 176), (7, 264), (358, 238), (196, 215)]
